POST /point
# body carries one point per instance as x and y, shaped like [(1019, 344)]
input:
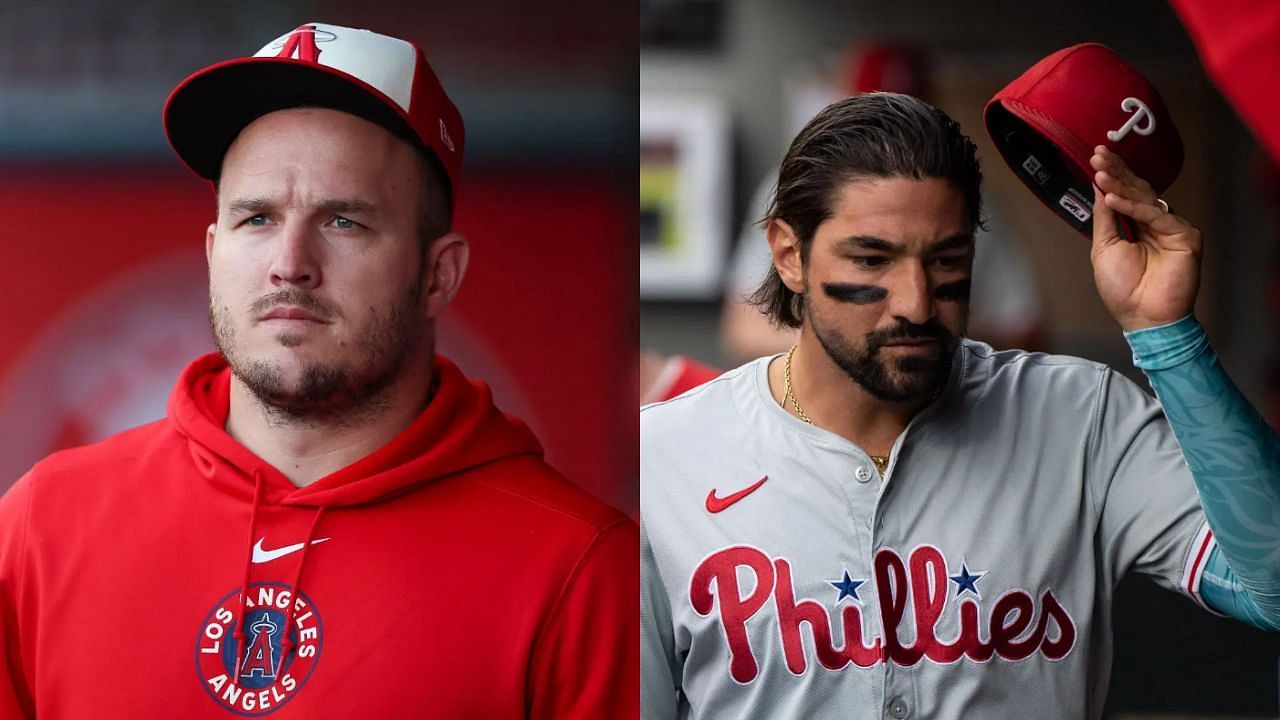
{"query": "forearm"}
[(1233, 455)]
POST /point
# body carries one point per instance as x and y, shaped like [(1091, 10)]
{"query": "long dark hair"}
[(873, 135)]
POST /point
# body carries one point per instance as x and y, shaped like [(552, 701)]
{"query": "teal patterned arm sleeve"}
[(1223, 593), (1233, 455)]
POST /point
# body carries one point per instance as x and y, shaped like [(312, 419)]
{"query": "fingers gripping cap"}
[(1047, 122), (379, 78)]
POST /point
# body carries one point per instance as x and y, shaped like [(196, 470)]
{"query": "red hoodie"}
[(450, 574)]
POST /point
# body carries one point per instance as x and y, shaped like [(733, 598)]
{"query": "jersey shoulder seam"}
[(1034, 358)]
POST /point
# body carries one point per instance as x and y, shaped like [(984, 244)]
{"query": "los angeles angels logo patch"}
[(255, 676)]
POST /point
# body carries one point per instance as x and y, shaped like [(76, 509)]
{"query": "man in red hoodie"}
[(331, 521)]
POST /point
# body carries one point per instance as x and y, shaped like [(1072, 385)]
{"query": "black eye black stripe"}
[(856, 294), (867, 294), (953, 291)]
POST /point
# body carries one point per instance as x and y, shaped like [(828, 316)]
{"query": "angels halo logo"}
[(257, 678)]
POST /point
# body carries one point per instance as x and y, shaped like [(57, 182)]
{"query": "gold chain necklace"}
[(881, 461)]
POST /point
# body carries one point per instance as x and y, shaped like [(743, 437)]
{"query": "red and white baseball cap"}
[(379, 78), (1047, 122)]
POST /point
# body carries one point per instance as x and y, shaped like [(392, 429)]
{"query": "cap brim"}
[(206, 112)]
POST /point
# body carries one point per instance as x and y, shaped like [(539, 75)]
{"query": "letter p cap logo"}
[(1140, 112)]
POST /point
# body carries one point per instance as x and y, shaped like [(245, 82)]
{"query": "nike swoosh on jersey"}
[(260, 555), (716, 504)]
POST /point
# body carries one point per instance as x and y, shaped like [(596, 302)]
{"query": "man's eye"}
[(344, 224), (950, 262), (257, 220), (870, 261)]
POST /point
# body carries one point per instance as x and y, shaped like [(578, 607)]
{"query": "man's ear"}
[(447, 260), (785, 247), (208, 242)]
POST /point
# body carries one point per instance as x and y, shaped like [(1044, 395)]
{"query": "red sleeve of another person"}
[(685, 375), (1239, 44), (15, 695), (587, 662)]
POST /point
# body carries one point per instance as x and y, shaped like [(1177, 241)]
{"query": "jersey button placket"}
[(863, 475), (897, 708)]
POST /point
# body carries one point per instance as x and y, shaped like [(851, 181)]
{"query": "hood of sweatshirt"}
[(459, 429)]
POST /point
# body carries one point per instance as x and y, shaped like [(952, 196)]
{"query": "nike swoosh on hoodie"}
[(262, 555)]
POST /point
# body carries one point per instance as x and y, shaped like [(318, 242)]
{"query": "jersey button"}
[(897, 709), (863, 473)]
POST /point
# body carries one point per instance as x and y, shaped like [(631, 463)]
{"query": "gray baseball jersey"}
[(782, 578)]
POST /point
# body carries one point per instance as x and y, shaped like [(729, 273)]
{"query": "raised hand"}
[(1153, 278)]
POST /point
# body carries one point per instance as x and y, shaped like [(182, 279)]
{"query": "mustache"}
[(930, 330), (295, 297)]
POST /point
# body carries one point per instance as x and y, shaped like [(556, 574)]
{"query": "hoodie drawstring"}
[(295, 589), (237, 632)]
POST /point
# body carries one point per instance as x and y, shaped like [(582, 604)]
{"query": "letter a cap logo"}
[(1067, 104), (380, 78)]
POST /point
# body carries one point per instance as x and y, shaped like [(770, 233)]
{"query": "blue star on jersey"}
[(967, 580), (847, 588)]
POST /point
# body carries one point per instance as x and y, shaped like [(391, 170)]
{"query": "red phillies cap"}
[(1047, 122), (379, 78)]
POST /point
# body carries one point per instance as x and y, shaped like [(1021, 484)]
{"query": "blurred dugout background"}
[(101, 246), (724, 86)]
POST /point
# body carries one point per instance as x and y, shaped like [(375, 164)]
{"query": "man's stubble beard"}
[(328, 393), (912, 378)]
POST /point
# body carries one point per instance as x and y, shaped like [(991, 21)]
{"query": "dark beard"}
[(917, 378), (331, 394)]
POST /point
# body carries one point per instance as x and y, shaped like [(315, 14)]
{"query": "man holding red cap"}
[(331, 521), (891, 520)]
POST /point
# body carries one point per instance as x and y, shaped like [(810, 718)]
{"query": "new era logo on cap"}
[(383, 79), (1067, 104)]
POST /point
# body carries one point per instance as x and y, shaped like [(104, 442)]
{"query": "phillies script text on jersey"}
[(922, 578)]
